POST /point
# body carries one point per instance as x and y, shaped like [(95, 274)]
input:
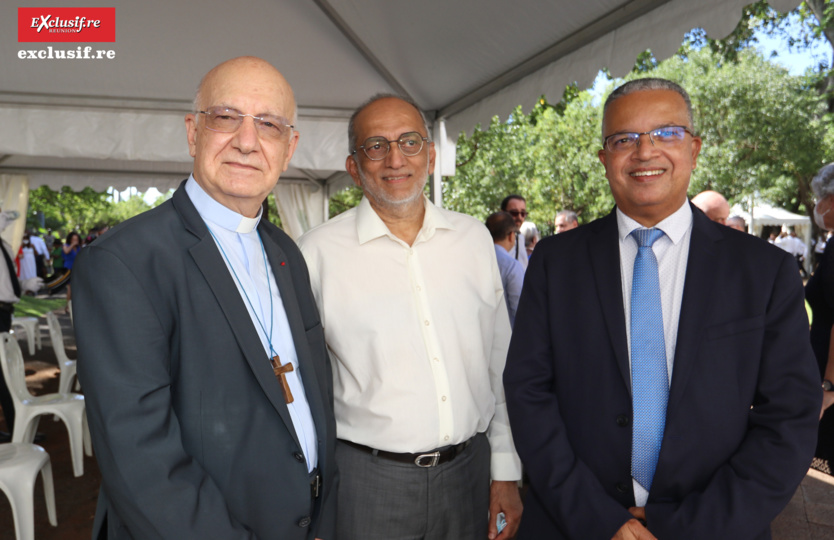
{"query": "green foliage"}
[(762, 129), (548, 157), (67, 210), (344, 199)]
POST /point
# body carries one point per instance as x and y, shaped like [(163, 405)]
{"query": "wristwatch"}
[(827, 386)]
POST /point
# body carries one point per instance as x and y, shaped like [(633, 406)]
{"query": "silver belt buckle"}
[(433, 458)]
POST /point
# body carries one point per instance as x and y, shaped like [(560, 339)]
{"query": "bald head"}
[(271, 80), (713, 204), (238, 164)]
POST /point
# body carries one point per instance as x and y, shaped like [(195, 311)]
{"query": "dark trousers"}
[(380, 499), (5, 397)]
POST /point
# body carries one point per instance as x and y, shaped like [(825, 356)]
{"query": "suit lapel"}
[(701, 267), (283, 277), (211, 265), (604, 252)]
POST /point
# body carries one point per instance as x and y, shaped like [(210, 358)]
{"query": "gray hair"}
[(373, 99), (569, 215), (651, 83), (823, 183)]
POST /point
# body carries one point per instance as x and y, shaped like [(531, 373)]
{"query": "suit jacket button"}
[(622, 487), (298, 455), (304, 522), (622, 420)]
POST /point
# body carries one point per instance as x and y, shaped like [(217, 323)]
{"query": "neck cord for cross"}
[(268, 284)]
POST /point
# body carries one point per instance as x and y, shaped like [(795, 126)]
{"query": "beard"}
[(382, 198)]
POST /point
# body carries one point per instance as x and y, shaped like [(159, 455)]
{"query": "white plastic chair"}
[(68, 372), (20, 464), (33, 333), (28, 408)]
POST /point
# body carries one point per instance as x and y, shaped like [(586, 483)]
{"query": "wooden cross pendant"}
[(281, 373)]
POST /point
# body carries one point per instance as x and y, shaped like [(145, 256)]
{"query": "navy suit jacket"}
[(190, 428), (743, 403)]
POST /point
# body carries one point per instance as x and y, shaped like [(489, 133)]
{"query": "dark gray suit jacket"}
[(189, 424), (743, 404)]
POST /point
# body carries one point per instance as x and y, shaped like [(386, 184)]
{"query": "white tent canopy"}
[(119, 122), (764, 214)]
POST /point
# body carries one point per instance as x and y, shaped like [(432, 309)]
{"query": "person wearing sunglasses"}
[(660, 381), (516, 206)]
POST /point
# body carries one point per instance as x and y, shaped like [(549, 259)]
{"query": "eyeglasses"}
[(516, 213), (226, 120), (377, 148), (664, 136)]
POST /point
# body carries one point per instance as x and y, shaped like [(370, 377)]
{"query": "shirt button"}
[(419, 288), (304, 522), (443, 398), (298, 456), (436, 359), (427, 323), (446, 438)]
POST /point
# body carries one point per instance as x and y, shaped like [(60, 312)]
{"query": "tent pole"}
[(439, 135)]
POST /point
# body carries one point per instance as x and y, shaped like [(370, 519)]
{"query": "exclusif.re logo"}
[(46, 25)]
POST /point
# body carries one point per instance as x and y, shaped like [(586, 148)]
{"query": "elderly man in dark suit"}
[(661, 385), (200, 346)]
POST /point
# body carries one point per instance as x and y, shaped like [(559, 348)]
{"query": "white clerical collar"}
[(211, 210)]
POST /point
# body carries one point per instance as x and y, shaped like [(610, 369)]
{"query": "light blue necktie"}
[(649, 381)]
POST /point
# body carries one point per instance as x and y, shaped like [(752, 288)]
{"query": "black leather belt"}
[(423, 459)]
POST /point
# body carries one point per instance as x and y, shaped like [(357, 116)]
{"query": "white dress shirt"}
[(672, 252), (418, 335), (238, 240)]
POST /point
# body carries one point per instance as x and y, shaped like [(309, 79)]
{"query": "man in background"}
[(503, 230), (713, 204), (565, 221), (516, 206)]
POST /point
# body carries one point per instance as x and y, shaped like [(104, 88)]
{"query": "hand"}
[(827, 401), (638, 511), (504, 497), (633, 530)]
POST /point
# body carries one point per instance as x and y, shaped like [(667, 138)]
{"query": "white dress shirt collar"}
[(370, 226), (217, 213)]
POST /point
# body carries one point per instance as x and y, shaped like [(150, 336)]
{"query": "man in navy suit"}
[(739, 397)]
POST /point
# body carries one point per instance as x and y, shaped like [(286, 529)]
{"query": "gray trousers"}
[(380, 499)]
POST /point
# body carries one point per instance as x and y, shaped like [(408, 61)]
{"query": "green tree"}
[(66, 209), (763, 129)]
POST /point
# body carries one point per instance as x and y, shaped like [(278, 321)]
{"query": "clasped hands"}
[(634, 529)]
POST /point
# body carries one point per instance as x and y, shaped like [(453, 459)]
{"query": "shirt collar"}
[(674, 226), (370, 226), (211, 210)]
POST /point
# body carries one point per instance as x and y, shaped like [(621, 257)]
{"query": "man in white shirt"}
[(416, 325), (502, 228)]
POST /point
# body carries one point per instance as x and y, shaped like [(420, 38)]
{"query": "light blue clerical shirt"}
[(238, 237)]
